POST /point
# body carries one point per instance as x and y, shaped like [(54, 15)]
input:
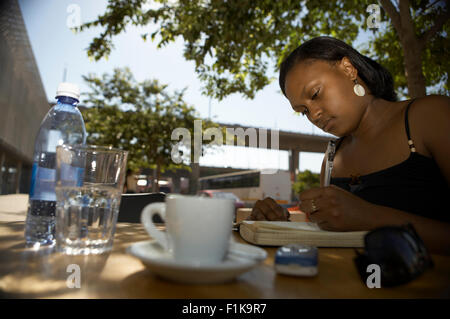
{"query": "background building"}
[(23, 103)]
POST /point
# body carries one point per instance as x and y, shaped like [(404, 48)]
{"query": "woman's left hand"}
[(336, 209)]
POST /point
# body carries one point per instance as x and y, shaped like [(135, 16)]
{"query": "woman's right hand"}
[(268, 209)]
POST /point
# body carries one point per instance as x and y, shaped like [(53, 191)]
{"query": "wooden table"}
[(25, 273)]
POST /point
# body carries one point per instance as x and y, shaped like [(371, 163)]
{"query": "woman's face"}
[(324, 93)]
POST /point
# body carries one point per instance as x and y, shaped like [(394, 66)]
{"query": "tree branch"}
[(430, 5), (394, 15), (405, 19), (439, 22)]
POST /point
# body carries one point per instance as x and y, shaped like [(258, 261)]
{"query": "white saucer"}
[(163, 264)]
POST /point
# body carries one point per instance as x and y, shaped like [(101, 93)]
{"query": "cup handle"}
[(147, 221)]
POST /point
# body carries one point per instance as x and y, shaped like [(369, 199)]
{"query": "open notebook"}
[(281, 233)]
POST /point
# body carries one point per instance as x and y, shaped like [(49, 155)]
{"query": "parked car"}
[(219, 194)]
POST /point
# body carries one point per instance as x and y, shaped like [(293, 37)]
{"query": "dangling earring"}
[(358, 88)]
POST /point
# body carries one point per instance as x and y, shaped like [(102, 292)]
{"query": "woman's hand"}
[(268, 209), (336, 209)]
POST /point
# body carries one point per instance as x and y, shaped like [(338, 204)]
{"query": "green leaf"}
[(230, 42)]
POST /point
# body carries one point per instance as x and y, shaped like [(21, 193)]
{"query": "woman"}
[(392, 158)]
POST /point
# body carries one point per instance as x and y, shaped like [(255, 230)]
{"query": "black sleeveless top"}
[(415, 185)]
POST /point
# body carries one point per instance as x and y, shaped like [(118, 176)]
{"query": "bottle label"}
[(33, 179), (42, 183), (43, 180)]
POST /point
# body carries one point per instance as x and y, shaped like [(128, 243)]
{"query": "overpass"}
[(292, 142)]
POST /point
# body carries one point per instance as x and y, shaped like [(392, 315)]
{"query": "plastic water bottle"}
[(63, 124)]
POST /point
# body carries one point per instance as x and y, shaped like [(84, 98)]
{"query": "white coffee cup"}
[(198, 229)]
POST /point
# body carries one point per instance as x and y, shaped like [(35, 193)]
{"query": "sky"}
[(56, 47)]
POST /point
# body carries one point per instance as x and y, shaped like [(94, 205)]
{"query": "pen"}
[(329, 162), (331, 149)]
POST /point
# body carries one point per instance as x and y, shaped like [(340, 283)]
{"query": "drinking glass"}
[(89, 183)]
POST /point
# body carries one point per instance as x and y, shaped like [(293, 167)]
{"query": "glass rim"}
[(89, 147)]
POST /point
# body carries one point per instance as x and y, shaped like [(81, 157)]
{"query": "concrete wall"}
[(23, 102)]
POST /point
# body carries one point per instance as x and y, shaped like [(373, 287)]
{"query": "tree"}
[(420, 41), (234, 41), (305, 180), (138, 117)]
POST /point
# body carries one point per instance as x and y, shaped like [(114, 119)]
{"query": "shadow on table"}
[(127, 234), (46, 273), (13, 227), (38, 273), (145, 284), (256, 283)]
